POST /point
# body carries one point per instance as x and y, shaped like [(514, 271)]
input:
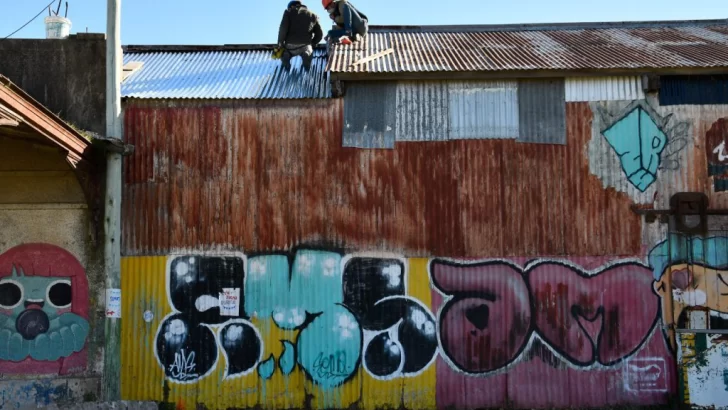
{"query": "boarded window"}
[(542, 111), (369, 115), (422, 109), (480, 110), (694, 90)]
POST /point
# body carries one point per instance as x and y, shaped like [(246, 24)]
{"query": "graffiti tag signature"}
[(720, 150), (331, 366), (183, 367)]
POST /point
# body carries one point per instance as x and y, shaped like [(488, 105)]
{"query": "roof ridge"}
[(195, 48), (549, 26)]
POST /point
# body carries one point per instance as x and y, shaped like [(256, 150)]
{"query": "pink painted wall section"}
[(43, 311), (549, 333)]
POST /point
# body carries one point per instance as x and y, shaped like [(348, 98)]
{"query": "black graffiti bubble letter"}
[(186, 345), (402, 336)]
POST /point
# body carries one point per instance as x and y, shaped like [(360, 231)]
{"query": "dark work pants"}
[(306, 53)]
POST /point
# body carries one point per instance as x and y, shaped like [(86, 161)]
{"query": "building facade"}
[(469, 223)]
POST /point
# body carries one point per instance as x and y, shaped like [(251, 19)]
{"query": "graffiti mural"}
[(639, 142), (580, 315), (699, 293), (642, 141), (400, 334), (43, 311), (324, 321), (359, 316), (699, 278), (186, 344), (715, 147)]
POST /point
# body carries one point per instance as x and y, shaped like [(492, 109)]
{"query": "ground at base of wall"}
[(172, 406), (122, 405)]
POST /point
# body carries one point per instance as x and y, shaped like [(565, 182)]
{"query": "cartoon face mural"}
[(699, 269), (633, 136), (638, 141), (43, 310)]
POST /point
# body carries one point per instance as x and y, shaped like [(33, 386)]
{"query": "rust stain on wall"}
[(270, 175)]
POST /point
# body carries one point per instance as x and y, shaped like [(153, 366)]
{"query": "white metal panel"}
[(422, 111), (484, 110), (604, 89)]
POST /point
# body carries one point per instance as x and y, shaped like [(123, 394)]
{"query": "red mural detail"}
[(613, 349), (584, 317), (603, 317), (717, 153), (50, 261), (487, 322)]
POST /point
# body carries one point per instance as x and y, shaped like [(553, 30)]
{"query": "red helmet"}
[(326, 3)]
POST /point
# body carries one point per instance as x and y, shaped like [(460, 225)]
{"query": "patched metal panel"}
[(604, 89), (422, 110), (483, 110), (370, 115), (703, 370), (694, 90), (542, 111)]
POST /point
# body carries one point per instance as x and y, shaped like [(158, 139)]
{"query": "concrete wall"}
[(67, 76), (45, 246)]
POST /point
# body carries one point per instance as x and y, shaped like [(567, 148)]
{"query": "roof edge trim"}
[(548, 26)]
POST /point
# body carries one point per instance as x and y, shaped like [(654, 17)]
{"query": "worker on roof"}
[(351, 24), (299, 32)]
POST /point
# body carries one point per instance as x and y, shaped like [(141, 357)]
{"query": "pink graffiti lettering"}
[(494, 307), (487, 322), (583, 317)]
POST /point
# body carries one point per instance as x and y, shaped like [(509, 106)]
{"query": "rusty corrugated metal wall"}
[(266, 265), (253, 175)]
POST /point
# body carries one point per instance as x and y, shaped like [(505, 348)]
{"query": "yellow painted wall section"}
[(146, 304)]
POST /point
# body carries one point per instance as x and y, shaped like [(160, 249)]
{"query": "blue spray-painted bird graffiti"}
[(638, 141)]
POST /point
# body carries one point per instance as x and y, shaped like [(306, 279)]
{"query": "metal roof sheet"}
[(221, 73), (658, 45)]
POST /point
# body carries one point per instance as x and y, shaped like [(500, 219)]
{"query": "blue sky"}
[(256, 21)]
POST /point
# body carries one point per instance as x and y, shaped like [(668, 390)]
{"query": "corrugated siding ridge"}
[(580, 89)]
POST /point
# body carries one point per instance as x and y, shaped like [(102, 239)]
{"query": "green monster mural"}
[(43, 311)]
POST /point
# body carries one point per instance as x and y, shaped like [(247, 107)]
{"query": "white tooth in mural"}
[(330, 267), (206, 302), (177, 327), (182, 269), (235, 333), (393, 272), (690, 298)]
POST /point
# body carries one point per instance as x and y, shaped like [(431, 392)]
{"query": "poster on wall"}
[(230, 302), (113, 303)]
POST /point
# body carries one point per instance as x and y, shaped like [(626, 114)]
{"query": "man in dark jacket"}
[(352, 24), (300, 31)]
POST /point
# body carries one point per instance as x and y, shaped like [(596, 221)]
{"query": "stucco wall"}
[(45, 248), (67, 76)]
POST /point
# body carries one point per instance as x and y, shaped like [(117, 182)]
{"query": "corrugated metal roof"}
[(222, 73), (687, 44)]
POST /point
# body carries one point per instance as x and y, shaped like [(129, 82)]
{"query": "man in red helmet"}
[(299, 32), (352, 24)]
